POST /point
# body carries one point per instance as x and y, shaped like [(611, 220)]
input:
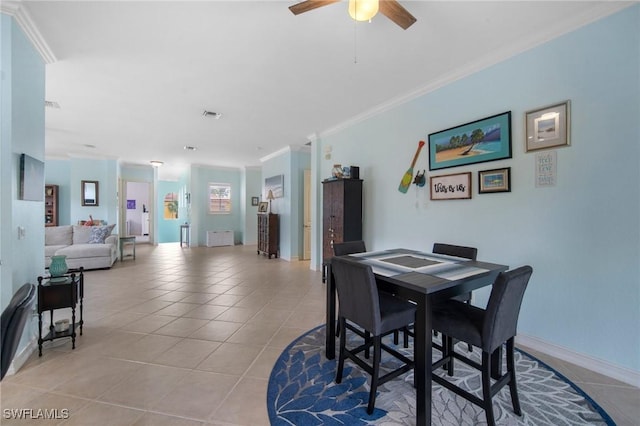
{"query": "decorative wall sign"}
[(483, 140), (131, 204), (548, 127), (451, 187), (546, 164), (496, 180)]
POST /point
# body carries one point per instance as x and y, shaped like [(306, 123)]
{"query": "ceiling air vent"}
[(216, 115)]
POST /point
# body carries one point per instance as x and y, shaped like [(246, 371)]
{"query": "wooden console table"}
[(58, 293)]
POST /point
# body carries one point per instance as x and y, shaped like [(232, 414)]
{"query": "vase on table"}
[(58, 266)]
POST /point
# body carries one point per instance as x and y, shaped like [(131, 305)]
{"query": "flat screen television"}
[(31, 179)]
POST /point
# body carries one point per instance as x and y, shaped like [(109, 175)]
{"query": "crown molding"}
[(18, 11), (577, 21), (286, 149)]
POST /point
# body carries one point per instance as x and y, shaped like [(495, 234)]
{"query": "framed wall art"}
[(488, 139), (254, 201), (548, 127), (496, 180), (263, 206), (451, 187), (276, 185)]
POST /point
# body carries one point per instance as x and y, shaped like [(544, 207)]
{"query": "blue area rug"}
[(302, 391)]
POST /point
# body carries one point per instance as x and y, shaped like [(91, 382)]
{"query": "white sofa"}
[(73, 241)]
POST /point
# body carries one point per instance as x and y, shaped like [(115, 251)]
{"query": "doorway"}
[(136, 211), (307, 216)]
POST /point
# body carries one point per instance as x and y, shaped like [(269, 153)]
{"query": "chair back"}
[(14, 317), (503, 308), (348, 247), (357, 294), (458, 251)]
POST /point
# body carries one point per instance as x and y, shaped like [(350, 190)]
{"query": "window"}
[(219, 198)]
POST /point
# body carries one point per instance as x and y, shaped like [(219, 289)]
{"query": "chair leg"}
[(486, 388), (343, 342), (513, 389), (406, 337), (396, 337), (367, 339), (447, 344), (377, 354)]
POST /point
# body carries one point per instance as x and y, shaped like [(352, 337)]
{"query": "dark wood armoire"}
[(341, 215), (268, 234)]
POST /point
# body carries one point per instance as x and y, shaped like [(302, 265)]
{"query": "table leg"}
[(422, 356), (39, 333), (134, 249), (330, 332), (73, 327), (121, 257)]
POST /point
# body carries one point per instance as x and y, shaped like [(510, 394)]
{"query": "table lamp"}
[(270, 197)]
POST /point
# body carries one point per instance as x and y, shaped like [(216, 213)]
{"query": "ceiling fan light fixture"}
[(363, 10), (156, 163)]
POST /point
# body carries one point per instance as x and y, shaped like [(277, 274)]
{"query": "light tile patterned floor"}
[(188, 336)]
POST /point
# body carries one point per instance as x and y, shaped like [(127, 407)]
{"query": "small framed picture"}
[(451, 187), (548, 127), (254, 201), (263, 206), (496, 180)]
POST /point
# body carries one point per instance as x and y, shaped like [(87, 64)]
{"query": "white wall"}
[(582, 236)]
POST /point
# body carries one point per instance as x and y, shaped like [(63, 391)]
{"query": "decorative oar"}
[(408, 175)]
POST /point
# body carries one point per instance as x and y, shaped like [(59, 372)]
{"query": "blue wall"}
[(582, 236), (201, 220), (22, 89)]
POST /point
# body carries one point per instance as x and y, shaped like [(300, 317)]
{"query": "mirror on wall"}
[(89, 192)]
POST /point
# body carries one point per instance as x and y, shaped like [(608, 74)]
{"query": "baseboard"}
[(21, 357), (600, 366)]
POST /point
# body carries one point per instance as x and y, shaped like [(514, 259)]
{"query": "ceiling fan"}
[(363, 10)]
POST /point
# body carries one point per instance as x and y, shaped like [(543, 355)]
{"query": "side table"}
[(129, 239), (184, 232), (58, 293)]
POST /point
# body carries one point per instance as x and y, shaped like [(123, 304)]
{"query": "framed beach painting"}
[(496, 180), (548, 127), (479, 141)]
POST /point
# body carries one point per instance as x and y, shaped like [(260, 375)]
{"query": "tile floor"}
[(189, 336)]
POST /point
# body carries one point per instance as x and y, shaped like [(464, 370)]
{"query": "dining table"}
[(423, 278)]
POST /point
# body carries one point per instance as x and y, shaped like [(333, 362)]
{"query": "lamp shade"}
[(270, 195), (363, 10)]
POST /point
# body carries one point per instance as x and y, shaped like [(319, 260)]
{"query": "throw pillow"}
[(98, 234)]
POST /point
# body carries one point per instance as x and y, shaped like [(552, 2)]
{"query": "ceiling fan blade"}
[(308, 5), (398, 14)]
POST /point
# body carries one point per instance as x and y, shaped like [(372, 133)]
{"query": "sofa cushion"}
[(99, 233), (81, 234), (58, 235), (51, 250), (86, 250)]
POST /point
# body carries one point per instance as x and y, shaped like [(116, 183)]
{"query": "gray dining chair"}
[(13, 321), (464, 252), (470, 253), (351, 247), (377, 313), (487, 329)]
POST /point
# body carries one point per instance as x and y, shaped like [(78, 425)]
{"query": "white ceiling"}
[(133, 78)]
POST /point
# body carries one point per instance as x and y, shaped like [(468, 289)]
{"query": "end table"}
[(58, 293)]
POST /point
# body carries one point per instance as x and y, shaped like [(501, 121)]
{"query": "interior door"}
[(307, 216)]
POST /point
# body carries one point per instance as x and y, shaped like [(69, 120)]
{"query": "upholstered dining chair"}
[(14, 318), (464, 252), (377, 313), (351, 247), (487, 329)]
